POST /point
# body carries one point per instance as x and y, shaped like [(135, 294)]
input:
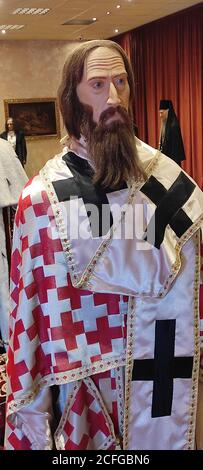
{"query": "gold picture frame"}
[(37, 117)]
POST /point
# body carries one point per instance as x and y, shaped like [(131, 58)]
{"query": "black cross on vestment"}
[(163, 369), (169, 206), (81, 186)]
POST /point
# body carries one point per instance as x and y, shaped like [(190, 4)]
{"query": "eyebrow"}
[(100, 77)]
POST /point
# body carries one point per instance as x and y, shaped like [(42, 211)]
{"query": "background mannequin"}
[(171, 143), (16, 138)]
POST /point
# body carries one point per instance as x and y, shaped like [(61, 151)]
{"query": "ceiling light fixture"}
[(108, 12), (31, 11), (11, 27), (78, 21), (94, 19), (118, 6), (116, 30), (3, 31)]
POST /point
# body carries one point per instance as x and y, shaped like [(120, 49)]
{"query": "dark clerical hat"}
[(165, 104)]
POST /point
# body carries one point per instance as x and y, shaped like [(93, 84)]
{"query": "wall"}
[(32, 69)]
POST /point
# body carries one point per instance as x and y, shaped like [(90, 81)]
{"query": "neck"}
[(79, 147)]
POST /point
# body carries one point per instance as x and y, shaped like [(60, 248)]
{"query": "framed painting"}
[(38, 117)]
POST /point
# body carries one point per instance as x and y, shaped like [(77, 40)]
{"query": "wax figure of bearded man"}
[(105, 324)]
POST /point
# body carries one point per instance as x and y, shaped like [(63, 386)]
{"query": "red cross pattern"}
[(40, 325), (23, 204), (104, 334), (44, 207), (15, 371), (111, 301), (40, 285), (68, 330), (42, 363), (19, 444), (47, 247), (63, 364), (15, 272), (70, 292), (85, 415)]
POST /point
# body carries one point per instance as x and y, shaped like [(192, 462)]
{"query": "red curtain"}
[(166, 56)]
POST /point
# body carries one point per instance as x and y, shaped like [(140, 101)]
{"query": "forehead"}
[(102, 62), (9, 120)]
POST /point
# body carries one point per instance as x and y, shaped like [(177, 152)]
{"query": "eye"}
[(97, 84), (120, 82)]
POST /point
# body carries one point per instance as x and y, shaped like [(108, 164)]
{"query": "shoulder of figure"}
[(31, 191), (55, 168), (32, 196)]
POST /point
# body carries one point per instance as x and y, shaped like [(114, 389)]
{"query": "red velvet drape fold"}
[(166, 56)]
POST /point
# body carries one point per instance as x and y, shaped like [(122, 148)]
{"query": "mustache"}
[(111, 146), (108, 113)]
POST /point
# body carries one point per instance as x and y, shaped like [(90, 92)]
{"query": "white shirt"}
[(11, 137)]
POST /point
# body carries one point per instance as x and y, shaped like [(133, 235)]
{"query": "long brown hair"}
[(71, 108), (112, 148)]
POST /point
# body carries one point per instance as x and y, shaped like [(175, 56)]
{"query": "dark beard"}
[(111, 147)]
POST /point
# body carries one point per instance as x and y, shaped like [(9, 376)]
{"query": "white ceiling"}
[(131, 14)]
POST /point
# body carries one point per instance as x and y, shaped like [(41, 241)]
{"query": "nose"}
[(113, 98)]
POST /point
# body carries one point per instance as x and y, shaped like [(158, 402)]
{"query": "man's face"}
[(104, 83), (163, 113), (10, 124)]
